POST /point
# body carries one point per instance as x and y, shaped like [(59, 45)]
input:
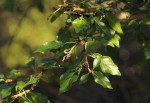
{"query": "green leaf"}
[(114, 41), (101, 79), (67, 79), (94, 55), (21, 84), (5, 90), (47, 46), (147, 52), (79, 24), (30, 62), (84, 78), (102, 27), (34, 97), (108, 66), (73, 50), (55, 15), (76, 50), (64, 35), (114, 22), (97, 58)]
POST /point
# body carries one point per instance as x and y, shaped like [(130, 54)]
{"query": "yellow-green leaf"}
[(114, 22), (79, 24), (101, 79), (47, 46), (108, 66), (114, 41)]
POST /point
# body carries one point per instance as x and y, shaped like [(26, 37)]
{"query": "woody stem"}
[(86, 63)]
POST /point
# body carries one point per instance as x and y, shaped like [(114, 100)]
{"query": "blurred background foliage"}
[(24, 26)]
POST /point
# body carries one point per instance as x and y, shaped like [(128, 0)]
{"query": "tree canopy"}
[(99, 39)]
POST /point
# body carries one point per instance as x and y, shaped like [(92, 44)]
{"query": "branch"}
[(86, 63), (20, 94)]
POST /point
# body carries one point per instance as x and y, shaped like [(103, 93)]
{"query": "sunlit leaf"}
[(114, 41), (97, 59), (79, 24), (108, 66), (73, 50), (114, 22), (47, 46), (101, 79)]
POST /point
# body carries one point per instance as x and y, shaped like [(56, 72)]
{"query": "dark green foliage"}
[(5, 90), (90, 27), (34, 97)]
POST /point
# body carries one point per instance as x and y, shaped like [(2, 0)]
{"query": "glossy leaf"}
[(47, 46), (67, 79), (114, 41), (108, 66), (94, 55), (101, 79), (97, 59), (84, 78), (102, 27), (21, 84), (79, 24), (5, 90), (34, 97), (114, 22)]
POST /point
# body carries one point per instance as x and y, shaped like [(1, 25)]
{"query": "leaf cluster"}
[(90, 27)]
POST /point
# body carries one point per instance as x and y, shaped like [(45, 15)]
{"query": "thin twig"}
[(20, 94), (86, 63)]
